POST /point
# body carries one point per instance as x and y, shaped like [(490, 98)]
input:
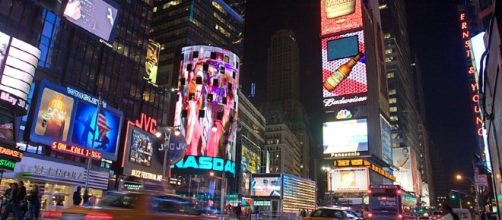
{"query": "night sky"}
[(434, 34)]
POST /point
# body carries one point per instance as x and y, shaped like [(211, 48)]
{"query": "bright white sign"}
[(348, 180), (345, 136)]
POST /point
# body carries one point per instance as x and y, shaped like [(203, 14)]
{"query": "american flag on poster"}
[(103, 127), (356, 83)]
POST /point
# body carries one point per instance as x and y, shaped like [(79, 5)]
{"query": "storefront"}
[(56, 181)]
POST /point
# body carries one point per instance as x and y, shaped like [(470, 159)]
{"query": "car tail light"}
[(370, 215), (52, 214), (400, 216), (98, 216)]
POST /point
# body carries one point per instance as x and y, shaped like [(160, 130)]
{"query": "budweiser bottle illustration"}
[(338, 8), (341, 73)]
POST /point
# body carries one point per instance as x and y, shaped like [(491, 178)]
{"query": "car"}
[(132, 205), (328, 213)]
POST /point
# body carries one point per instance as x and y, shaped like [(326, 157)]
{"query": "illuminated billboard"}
[(95, 16), (193, 163), (152, 61), (18, 61), (385, 134), (266, 186), (348, 180), (141, 144), (206, 109), (344, 71), (250, 161), (345, 136), (340, 16), (403, 173), (65, 116)]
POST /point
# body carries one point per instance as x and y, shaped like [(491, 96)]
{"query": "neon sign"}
[(146, 175), (147, 123), (11, 153), (78, 151), (473, 85), (7, 164), (206, 163)]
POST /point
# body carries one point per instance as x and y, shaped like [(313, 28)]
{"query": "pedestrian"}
[(77, 196), (22, 206), (238, 210), (11, 201), (303, 213), (86, 197), (33, 203), (450, 215)]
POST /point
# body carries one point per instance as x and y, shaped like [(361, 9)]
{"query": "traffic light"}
[(452, 196)]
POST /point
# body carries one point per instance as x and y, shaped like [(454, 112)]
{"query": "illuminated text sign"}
[(147, 123), (11, 153), (66, 148), (146, 175), (206, 163), (473, 85), (7, 164), (364, 163)]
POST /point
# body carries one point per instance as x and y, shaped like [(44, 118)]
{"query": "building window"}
[(218, 6), (392, 91), (390, 75), (171, 3), (392, 100), (47, 38), (393, 109), (222, 30)]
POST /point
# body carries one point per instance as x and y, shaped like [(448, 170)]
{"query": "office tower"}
[(89, 83), (250, 143), (283, 88), (405, 113)]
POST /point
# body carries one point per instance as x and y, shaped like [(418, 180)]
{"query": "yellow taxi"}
[(132, 205), (328, 213)]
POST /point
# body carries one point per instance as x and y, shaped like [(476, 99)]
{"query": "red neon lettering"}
[(476, 109), (475, 98), (480, 132), (465, 34), (479, 121), (462, 16), (464, 25), (474, 87), (147, 123)]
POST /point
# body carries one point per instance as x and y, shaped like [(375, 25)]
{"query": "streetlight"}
[(459, 177), (166, 132)]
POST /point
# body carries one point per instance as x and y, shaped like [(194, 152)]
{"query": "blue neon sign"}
[(206, 163)]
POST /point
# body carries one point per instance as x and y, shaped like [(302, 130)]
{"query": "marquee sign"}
[(206, 163), (78, 151), (11, 153)]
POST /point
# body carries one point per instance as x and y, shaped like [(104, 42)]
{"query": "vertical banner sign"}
[(473, 85)]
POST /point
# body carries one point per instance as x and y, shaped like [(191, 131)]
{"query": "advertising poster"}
[(6, 128), (206, 110), (266, 186), (348, 180), (18, 62), (152, 61), (54, 115), (345, 136), (141, 147), (385, 134), (402, 160), (340, 16), (250, 161), (69, 117), (344, 70), (95, 16), (104, 130)]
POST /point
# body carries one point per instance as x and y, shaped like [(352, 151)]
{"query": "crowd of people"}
[(20, 203)]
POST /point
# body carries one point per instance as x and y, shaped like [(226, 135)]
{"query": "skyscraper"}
[(408, 130), (283, 72)]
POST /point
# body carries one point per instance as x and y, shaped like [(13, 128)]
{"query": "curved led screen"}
[(206, 109)]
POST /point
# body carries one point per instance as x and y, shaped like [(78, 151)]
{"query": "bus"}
[(387, 202)]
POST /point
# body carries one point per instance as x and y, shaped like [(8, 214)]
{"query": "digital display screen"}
[(141, 147), (344, 71), (250, 160), (152, 61), (385, 134), (71, 117), (18, 61), (95, 16), (266, 186), (345, 136), (6, 127), (348, 180), (343, 48), (206, 110), (340, 16)]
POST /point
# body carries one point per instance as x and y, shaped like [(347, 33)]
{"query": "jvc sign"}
[(206, 163)]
